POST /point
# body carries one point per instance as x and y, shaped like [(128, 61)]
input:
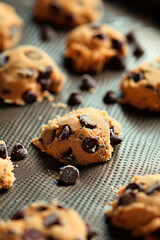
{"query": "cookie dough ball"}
[(6, 175), (82, 137), (68, 13), (92, 47), (141, 86), (27, 74), (138, 207), (44, 221), (10, 27)]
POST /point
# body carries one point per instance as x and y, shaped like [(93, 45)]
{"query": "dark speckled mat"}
[(138, 154)]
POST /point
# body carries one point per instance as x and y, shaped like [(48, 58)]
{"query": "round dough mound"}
[(44, 221), (91, 47), (141, 86), (10, 27), (82, 137), (138, 207), (68, 13), (26, 75)]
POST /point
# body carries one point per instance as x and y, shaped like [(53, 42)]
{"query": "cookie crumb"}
[(50, 97), (59, 105)]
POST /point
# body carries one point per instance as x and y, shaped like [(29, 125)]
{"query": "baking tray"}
[(138, 154)]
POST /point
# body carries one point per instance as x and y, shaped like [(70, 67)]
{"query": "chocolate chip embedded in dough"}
[(136, 76), (29, 97), (42, 208), (85, 123), (18, 152), (3, 59), (18, 215), (87, 82), (100, 36), (45, 83), (34, 55), (110, 97), (32, 234), (69, 175), (135, 186), (154, 188), (92, 232), (68, 156), (126, 198), (5, 91), (55, 8), (66, 132), (52, 219), (117, 63), (3, 151), (115, 139), (45, 71), (69, 18), (116, 44), (90, 145)]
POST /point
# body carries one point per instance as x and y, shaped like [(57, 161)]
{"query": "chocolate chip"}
[(47, 32), (69, 175), (117, 63), (5, 91), (85, 123), (115, 139), (116, 44), (55, 8), (134, 186), (3, 59), (13, 31), (156, 234), (136, 76), (34, 55), (100, 36), (18, 215), (18, 152), (138, 52), (131, 37), (92, 232), (26, 72), (3, 151), (66, 132), (69, 18), (32, 234), (45, 83), (110, 97), (52, 219), (68, 63), (126, 198), (68, 156), (42, 208), (87, 82), (45, 72), (154, 188), (90, 145), (75, 98), (29, 97)]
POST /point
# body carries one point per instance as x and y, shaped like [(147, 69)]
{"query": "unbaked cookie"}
[(138, 207), (82, 136), (27, 74), (6, 175), (68, 13), (91, 47), (141, 86), (10, 27), (41, 221)]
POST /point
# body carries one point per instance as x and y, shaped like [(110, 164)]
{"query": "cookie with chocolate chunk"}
[(82, 137), (27, 74), (141, 86)]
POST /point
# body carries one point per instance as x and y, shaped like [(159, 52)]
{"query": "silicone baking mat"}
[(139, 152)]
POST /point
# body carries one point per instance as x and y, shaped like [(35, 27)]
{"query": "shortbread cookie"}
[(41, 221), (92, 47), (10, 27), (68, 13), (82, 136), (27, 74), (138, 207), (141, 86), (6, 175)]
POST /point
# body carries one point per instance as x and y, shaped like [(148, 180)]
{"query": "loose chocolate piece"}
[(47, 32), (29, 97), (134, 186), (18, 215), (13, 31), (110, 97), (136, 76), (117, 63), (68, 63), (3, 151), (26, 72), (154, 188), (66, 132), (5, 91), (45, 83), (55, 8), (100, 36), (92, 232), (131, 37), (32, 234), (68, 156), (18, 152), (90, 145), (3, 59), (45, 72), (34, 55), (75, 98), (126, 198), (116, 44), (87, 82), (115, 139), (138, 52), (85, 123), (52, 219), (69, 175)]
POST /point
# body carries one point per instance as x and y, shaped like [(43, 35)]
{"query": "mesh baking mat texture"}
[(139, 152)]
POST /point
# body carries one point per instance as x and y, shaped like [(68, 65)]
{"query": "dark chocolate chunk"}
[(52, 219), (45, 72), (75, 98), (138, 52), (92, 232), (29, 97), (69, 175), (68, 63), (100, 36), (55, 8), (136, 76), (85, 123), (3, 151), (90, 145), (134, 186), (116, 44), (34, 55), (115, 139), (110, 97), (5, 91), (42, 208), (32, 234), (87, 82), (13, 31), (69, 18), (3, 59), (68, 156), (130, 37), (126, 198), (47, 32), (45, 83), (117, 63), (18, 215), (26, 72), (18, 152), (156, 234), (154, 188), (66, 132)]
